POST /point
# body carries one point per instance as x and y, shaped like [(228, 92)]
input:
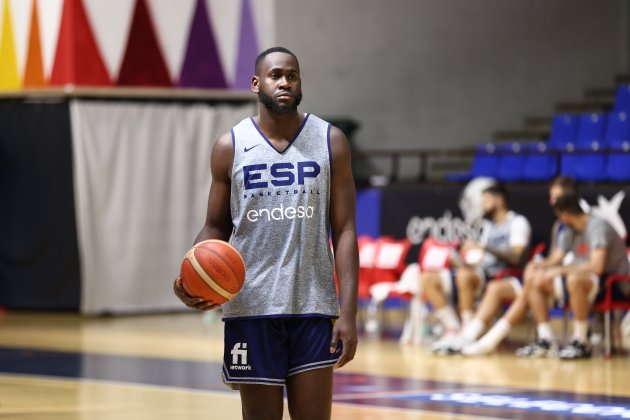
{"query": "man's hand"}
[(191, 302), (345, 329), (545, 276), (469, 246)]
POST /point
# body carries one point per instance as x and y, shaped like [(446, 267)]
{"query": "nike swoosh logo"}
[(248, 149)]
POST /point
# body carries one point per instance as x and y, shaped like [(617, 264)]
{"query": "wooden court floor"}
[(58, 366)]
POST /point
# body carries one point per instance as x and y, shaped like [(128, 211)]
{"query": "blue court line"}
[(370, 390)]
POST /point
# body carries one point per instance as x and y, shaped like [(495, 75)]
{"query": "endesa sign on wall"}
[(445, 213)]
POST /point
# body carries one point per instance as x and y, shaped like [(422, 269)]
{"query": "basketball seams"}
[(225, 261), (220, 263), (207, 279), (229, 245)]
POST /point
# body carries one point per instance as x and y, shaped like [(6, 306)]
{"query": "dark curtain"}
[(39, 262)]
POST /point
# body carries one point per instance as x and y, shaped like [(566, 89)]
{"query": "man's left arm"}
[(595, 265), (520, 235), (344, 239), (514, 257)]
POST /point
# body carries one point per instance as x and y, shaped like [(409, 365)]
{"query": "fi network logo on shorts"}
[(239, 357)]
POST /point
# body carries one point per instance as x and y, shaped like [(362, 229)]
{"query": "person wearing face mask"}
[(503, 245)]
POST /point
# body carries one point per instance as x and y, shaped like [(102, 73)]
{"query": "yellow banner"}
[(9, 76)]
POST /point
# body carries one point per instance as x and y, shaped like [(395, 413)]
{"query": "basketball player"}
[(498, 293), (281, 187), (598, 251), (504, 245)]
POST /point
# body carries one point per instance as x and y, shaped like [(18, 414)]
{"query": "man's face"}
[(278, 85), (555, 192), (566, 218), (489, 205)]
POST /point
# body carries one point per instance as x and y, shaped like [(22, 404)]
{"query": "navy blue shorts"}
[(268, 350)]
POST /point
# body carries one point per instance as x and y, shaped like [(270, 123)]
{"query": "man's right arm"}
[(554, 258), (218, 223), (560, 243)]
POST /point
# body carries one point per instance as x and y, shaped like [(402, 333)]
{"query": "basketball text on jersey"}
[(239, 357)]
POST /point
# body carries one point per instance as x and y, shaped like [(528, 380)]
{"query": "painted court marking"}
[(405, 394)]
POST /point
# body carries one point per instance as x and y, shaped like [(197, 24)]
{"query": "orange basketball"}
[(213, 270)]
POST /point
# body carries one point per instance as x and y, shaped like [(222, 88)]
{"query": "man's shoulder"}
[(245, 121), (597, 223), (517, 218), (315, 117)]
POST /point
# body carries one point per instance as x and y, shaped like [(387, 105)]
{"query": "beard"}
[(489, 215), (268, 102)]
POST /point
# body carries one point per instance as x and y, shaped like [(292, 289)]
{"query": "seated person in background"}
[(503, 245), (598, 251), (500, 292)]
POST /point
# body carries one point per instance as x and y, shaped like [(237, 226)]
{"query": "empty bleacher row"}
[(593, 146)]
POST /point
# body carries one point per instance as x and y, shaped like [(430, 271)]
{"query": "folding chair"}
[(389, 264), (608, 305)]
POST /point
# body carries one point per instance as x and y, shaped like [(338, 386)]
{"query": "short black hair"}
[(499, 190), (568, 203), (567, 184), (268, 51)]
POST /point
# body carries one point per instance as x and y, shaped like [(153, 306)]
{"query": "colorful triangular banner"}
[(247, 48), (34, 69), (9, 75), (143, 63), (77, 59), (202, 65)]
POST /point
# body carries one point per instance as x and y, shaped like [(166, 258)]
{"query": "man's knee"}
[(578, 283), (540, 282), (531, 275), (530, 268), (430, 280), (493, 289)]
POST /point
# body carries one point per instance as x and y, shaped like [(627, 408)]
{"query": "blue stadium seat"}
[(564, 131), (541, 164), (511, 162), (622, 98), (618, 131), (484, 164), (618, 166), (591, 131), (584, 165)]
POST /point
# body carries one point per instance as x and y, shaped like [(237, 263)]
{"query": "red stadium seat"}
[(435, 255), (382, 278), (390, 259), (368, 248), (608, 305)]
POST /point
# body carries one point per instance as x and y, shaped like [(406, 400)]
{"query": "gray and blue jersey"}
[(280, 204), (515, 231)]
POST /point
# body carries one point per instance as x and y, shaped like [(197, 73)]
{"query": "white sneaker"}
[(450, 343), (538, 349), (476, 349)]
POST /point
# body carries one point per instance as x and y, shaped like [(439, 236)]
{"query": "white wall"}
[(446, 73)]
